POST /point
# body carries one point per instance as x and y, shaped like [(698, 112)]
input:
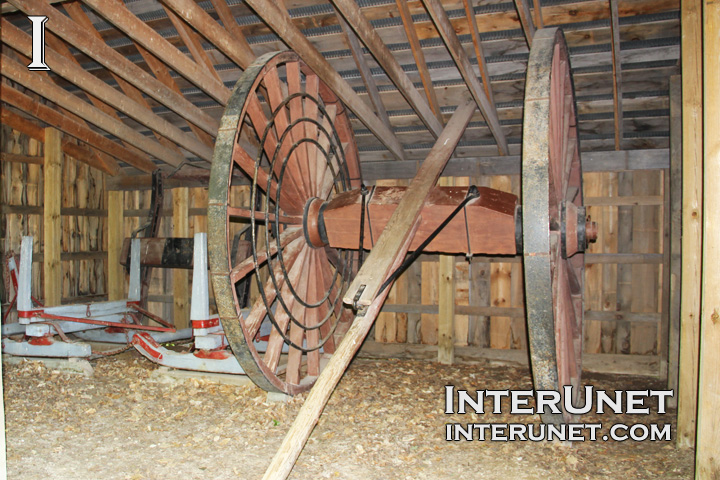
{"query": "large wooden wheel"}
[(286, 131), (554, 224)]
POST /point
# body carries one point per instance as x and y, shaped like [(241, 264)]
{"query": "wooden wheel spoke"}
[(311, 316), (259, 310), (312, 87), (259, 121), (297, 333), (277, 93), (242, 269), (326, 172), (299, 132)]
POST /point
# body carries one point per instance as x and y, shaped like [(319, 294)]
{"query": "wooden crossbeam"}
[(280, 22), (617, 74), (78, 152), (145, 35), (479, 54), (523, 11), (452, 42), (75, 74), (419, 57), (18, 73), (365, 31), (71, 127), (228, 20), (364, 69), (75, 35)]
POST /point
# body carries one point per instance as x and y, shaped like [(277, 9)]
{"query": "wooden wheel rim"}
[(551, 181), (283, 135)]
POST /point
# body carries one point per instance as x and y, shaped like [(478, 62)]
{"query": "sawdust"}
[(384, 421)]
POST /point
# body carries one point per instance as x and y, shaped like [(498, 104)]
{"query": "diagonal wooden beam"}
[(192, 41), (280, 22), (374, 271), (89, 83), (539, 22), (201, 21), (145, 35), (228, 20), (452, 42), (523, 11), (617, 73), (32, 130), (78, 14), (161, 73), (73, 128), (365, 31), (46, 88), (73, 34), (365, 73), (479, 54), (419, 56)]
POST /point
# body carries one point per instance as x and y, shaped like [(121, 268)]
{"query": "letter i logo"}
[(38, 42)]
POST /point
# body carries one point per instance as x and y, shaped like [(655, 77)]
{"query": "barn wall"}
[(84, 217), (623, 277)]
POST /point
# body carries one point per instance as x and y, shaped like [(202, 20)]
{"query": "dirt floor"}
[(384, 421)]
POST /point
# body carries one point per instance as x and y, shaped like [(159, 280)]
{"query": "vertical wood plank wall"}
[(623, 275)]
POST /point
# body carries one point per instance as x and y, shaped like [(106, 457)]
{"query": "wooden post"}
[(446, 303), (501, 286), (181, 228), (675, 195), (52, 177), (692, 220), (116, 235), (707, 464)]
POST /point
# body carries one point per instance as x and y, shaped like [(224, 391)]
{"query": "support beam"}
[(479, 54), (367, 282), (142, 33), (523, 11), (369, 36), (707, 464), (49, 90), (452, 42), (446, 305), (95, 87), (228, 20), (675, 214), (116, 235), (32, 130), (281, 23), (617, 73), (691, 20), (181, 228), (52, 200), (71, 127), (364, 69), (419, 57), (75, 35), (539, 22)]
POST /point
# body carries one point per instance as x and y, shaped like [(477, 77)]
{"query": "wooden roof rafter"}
[(452, 42), (419, 56), (75, 35), (365, 72), (76, 12), (99, 89), (46, 88), (280, 22), (479, 53), (526, 21), (382, 54)]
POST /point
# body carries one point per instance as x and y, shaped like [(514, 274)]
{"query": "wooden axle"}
[(489, 225)]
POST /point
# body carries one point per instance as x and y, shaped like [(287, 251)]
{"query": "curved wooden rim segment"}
[(551, 188), (287, 131)]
